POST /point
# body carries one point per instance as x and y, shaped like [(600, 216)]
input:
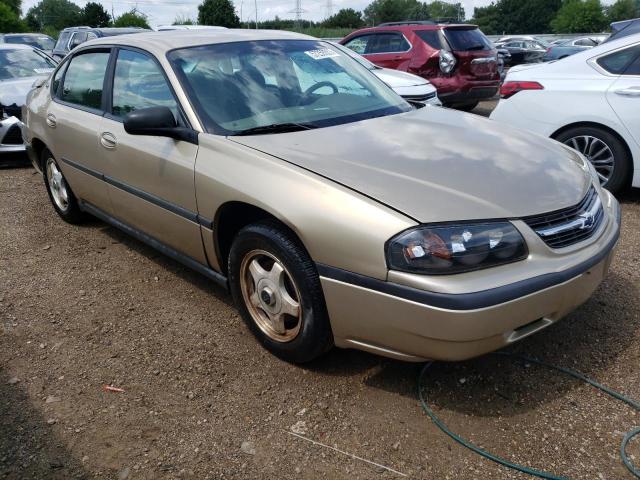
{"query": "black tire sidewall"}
[(315, 336), (72, 214), (621, 160)]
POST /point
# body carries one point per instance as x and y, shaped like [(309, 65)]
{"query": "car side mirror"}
[(158, 122)]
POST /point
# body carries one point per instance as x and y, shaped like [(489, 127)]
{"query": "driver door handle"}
[(629, 92), (51, 120), (108, 140)]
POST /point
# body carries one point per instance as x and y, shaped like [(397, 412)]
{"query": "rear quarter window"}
[(430, 37), (617, 62)]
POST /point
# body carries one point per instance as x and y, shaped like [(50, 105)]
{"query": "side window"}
[(84, 78), (431, 38), (77, 39), (617, 62), (634, 68), (388, 43), (91, 36), (62, 41), (139, 83), (359, 44), (584, 42)]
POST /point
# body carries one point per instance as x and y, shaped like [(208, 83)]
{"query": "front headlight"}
[(449, 249)]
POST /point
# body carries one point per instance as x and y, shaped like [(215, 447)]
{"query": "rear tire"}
[(62, 198), (591, 141), (277, 290)]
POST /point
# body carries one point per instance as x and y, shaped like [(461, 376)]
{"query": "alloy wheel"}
[(57, 185), (597, 152), (271, 295)]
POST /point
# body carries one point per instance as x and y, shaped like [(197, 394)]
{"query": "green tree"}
[(443, 10), (9, 20), (132, 18), (94, 15), (183, 20), (345, 18), (218, 12), (488, 19), (14, 5), (56, 14), (579, 16), (623, 10)]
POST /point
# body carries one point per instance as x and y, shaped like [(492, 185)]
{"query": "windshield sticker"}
[(321, 53), (43, 70)]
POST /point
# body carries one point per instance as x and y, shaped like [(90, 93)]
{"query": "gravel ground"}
[(83, 307)]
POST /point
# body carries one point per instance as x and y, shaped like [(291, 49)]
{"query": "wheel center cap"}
[(267, 296)]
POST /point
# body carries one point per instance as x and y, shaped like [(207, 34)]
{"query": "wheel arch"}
[(38, 147), (607, 129), (234, 215)]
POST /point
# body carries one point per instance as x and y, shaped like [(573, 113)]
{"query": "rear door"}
[(74, 117), (388, 49), (476, 55), (624, 93), (150, 178)]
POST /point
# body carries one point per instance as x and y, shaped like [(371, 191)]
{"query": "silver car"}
[(333, 211), (20, 67)]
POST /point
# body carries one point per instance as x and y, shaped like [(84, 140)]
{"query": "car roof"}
[(413, 27), (162, 42)]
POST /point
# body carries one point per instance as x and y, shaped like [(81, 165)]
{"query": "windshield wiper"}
[(276, 128)]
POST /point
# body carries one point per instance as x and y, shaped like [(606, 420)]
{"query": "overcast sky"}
[(165, 11)]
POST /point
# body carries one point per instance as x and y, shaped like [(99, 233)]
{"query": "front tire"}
[(277, 290), (62, 198), (605, 151)]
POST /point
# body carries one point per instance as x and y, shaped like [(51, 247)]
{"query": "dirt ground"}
[(83, 307)]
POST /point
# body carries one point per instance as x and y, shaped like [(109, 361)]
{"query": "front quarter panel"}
[(339, 227)]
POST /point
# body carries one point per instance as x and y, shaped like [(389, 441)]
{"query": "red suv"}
[(458, 59)]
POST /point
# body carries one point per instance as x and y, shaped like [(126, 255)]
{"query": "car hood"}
[(396, 78), (14, 91), (438, 165)]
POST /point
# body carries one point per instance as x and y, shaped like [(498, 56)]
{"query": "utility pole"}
[(255, 3), (329, 8)]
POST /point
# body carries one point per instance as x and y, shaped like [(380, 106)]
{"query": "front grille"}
[(13, 136), (420, 98), (569, 226)]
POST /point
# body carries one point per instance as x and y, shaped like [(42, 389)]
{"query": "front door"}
[(150, 178)]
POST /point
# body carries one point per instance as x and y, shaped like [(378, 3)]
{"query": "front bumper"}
[(414, 325), (11, 136)]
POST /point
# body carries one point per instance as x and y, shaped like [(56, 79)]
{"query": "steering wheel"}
[(306, 95)]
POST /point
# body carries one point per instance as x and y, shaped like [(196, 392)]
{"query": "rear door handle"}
[(51, 120), (629, 92), (108, 140)]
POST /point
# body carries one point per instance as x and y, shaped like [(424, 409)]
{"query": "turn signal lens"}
[(509, 89), (449, 249)]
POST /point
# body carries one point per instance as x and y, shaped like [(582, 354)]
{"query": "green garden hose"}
[(515, 466)]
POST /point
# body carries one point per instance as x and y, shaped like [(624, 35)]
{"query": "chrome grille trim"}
[(572, 225)]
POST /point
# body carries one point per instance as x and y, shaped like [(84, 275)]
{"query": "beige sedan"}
[(334, 211)]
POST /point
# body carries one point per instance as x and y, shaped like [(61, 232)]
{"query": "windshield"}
[(467, 39), (41, 42), (16, 63), (61, 44), (242, 86)]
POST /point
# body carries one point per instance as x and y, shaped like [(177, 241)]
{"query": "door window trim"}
[(84, 51), (182, 121)]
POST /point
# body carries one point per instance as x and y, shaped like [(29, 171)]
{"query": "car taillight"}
[(508, 89)]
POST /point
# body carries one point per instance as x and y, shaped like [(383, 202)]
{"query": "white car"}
[(409, 86), (589, 101)]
